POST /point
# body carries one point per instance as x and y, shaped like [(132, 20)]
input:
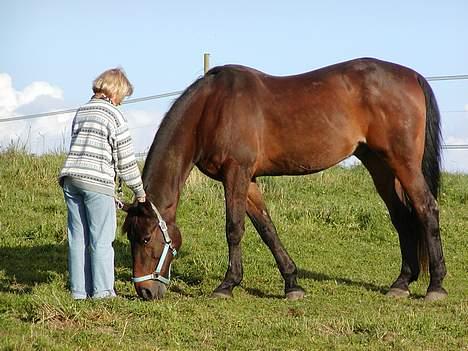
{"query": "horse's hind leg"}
[(236, 182), (427, 211), (402, 218), (261, 220)]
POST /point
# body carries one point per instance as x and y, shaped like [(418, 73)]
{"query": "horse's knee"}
[(429, 208), (234, 232)]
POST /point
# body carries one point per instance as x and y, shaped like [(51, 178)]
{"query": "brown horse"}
[(236, 124)]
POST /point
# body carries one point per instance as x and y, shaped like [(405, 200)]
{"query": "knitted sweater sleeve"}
[(125, 160)]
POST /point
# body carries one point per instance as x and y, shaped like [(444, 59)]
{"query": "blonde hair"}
[(113, 83)]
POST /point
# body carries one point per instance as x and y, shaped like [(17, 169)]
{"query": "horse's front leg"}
[(236, 182), (258, 214)]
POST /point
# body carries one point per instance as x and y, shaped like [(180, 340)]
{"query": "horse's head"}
[(154, 245)]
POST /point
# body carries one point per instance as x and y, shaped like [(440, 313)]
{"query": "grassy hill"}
[(333, 224)]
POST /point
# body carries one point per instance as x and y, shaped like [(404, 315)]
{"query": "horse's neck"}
[(171, 156), (165, 181), (167, 167)]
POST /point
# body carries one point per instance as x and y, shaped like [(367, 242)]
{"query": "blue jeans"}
[(91, 230)]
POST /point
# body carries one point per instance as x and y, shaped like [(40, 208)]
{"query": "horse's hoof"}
[(435, 295), (398, 293), (295, 295), (218, 294)]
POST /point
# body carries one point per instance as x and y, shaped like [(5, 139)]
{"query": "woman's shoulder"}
[(105, 107)]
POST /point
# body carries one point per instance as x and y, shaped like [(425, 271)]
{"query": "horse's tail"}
[(432, 155), (431, 167)]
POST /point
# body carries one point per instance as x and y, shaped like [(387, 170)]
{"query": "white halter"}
[(156, 275)]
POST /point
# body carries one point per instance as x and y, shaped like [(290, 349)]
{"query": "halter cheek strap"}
[(156, 275)]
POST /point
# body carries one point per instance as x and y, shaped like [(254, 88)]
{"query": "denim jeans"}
[(91, 230)]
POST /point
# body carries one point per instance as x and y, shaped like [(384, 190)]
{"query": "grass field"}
[(333, 224)]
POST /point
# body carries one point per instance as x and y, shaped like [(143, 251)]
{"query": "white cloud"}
[(8, 98), (52, 133), (142, 118), (143, 126), (11, 99), (37, 135), (36, 89)]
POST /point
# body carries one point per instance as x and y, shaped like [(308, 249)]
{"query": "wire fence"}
[(177, 93), (71, 110)]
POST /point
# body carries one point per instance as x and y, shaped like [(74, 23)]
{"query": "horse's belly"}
[(305, 156)]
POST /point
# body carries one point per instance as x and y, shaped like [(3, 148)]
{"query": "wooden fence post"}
[(206, 62)]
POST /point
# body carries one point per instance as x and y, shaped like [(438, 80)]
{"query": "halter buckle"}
[(163, 226)]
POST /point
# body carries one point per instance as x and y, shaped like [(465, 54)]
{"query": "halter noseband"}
[(156, 275)]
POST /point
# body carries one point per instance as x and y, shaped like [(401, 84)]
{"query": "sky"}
[(50, 52)]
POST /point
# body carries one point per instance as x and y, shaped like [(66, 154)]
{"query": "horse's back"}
[(311, 121)]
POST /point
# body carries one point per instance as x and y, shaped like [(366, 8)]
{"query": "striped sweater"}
[(100, 149)]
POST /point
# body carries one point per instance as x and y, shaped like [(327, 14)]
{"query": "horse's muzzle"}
[(153, 290)]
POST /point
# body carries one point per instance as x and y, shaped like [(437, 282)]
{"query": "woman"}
[(100, 149)]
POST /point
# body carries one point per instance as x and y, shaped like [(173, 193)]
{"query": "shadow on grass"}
[(305, 274), (302, 274), (262, 294), (26, 266)]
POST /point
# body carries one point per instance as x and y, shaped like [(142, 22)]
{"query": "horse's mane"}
[(172, 114), (134, 219), (172, 119), (131, 222)]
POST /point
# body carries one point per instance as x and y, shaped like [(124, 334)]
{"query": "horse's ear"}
[(135, 207), (125, 207)]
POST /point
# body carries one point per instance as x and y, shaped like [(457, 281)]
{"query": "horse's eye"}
[(146, 240)]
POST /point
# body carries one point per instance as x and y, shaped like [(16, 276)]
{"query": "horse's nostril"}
[(160, 290), (146, 294), (152, 292)]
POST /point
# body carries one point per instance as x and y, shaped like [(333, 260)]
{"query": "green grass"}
[(333, 224)]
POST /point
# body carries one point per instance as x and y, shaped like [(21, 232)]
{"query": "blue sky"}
[(52, 50)]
